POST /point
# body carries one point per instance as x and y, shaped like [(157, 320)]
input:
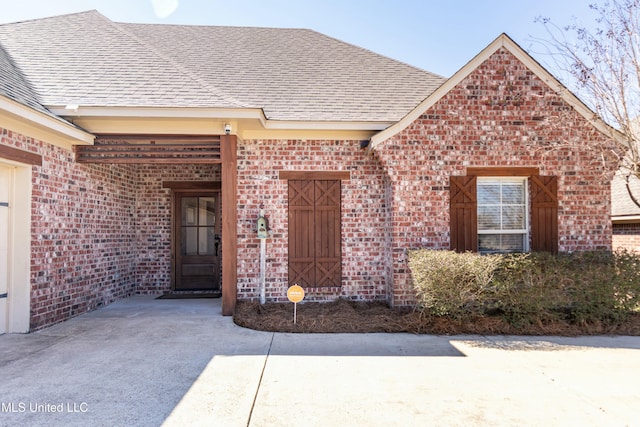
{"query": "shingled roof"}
[(14, 86), (622, 206), (291, 74)]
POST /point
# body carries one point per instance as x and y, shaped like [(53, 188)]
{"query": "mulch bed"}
[(367, 317)]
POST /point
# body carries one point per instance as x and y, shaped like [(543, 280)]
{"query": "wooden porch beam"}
[(201, 152), (21, 156), (229, 157), (152, 138), (192, 185)]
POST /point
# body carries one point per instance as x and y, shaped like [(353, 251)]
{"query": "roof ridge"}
[(375, 53), (258, 27), (91, 11), (210, 88)]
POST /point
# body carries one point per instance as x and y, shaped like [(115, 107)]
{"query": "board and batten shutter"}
[(314, 233), (463, 214), (544, 213)]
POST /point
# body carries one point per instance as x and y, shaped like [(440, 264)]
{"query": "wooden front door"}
[(197, 241)]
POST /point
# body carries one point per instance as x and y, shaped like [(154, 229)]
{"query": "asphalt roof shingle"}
[(88, 60), (295, 73), (15, 86), (622, 204), (292, 74)]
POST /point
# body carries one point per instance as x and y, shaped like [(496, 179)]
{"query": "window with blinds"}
[(515, 211), (502, 215)]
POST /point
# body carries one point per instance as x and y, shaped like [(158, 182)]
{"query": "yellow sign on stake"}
[(295, 294)]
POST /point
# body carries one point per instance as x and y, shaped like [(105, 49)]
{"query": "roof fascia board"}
[(301, 134), (159, 112), (307, 125), (621, 219), (503, 41), (58, 127), (214, 113)]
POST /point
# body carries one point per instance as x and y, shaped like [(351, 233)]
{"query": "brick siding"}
[(626, 236), (153, 221), (363, 212), (99, 233), (102, 232), (82, 233), (500, 115)]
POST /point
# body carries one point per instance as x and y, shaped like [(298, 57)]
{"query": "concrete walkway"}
[(146, 362)]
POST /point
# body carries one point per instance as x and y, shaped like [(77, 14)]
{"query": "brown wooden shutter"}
[(314, 233), (463, 210), (301, 247), (327, 230), (544, 213)]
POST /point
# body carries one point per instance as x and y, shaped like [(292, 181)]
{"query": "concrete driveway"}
[(146, 362)]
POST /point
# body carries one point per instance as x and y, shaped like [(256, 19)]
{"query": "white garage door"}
[(5, 186)]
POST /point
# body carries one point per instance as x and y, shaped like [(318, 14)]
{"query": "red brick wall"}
[(153, 221), (500, 115), (99, 232), (363, 211), (103, 232), (626, 236), (82, 233)]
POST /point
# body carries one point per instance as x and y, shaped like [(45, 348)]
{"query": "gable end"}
[(503, 44)]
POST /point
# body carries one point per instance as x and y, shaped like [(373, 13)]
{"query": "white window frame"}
[(527, 206)]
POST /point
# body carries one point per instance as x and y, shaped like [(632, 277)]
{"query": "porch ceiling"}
[(160, 149)]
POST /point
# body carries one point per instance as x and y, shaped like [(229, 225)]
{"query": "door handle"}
[(217, 240)]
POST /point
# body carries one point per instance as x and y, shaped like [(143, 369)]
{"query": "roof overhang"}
[(503, 41), (38, 125), (246, 123)]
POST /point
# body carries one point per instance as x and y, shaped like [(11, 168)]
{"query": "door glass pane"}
[(207, 211), (207, 241), (189, 240), (189, 211)]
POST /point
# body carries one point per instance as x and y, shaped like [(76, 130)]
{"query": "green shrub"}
[(627, 287), (452, 284), (582, 287)]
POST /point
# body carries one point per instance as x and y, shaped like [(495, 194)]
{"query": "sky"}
[(440, 36)]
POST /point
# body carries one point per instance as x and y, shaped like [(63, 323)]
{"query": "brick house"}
[(136, 159), (625, 213)]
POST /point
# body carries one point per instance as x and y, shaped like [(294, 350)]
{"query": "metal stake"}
[(263, 270)]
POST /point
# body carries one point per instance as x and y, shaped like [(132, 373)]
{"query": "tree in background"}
[(603, 63)]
